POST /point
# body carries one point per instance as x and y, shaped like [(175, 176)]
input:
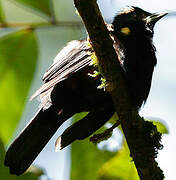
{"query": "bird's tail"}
[(30, 142)]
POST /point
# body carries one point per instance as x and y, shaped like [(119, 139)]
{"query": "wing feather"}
[(69, 60)]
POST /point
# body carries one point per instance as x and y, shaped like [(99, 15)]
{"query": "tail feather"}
[(26, 147), (84, 128)]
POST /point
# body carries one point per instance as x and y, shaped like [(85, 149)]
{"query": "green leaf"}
[(35, 170), (17, 64), (4, 171), (79, 116), (160, 124), (39, 5), (86, 157), (161, 127), (114, 118), (2, 18), (120, 167)]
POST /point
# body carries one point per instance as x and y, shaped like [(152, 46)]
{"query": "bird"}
[(69, 87)]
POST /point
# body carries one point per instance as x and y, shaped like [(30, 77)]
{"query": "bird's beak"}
[(152, 19)]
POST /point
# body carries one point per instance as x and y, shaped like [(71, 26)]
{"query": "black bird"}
[(68, 88)]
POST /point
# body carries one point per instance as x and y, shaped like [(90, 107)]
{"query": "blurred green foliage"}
[(120, 167), (2, 18), (19, 51), (17, 64), (90, 162), (42, 6), (86, 157)]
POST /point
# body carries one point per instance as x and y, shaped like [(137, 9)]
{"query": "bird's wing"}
[(69, 60)]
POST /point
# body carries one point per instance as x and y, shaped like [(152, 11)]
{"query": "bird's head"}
[(134, 22)]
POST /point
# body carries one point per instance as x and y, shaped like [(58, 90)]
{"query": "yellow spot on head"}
[(125, 31)]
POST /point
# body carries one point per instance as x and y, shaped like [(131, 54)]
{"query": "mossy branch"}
[(142, 137)]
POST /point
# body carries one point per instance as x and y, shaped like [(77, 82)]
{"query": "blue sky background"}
[(162, 99)]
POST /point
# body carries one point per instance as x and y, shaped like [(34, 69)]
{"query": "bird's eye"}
[(125, 30)]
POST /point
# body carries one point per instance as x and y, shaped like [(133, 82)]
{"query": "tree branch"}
[(142, 137)]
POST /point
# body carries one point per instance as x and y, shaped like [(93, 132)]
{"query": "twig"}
[(41, 25), (96, 138)]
